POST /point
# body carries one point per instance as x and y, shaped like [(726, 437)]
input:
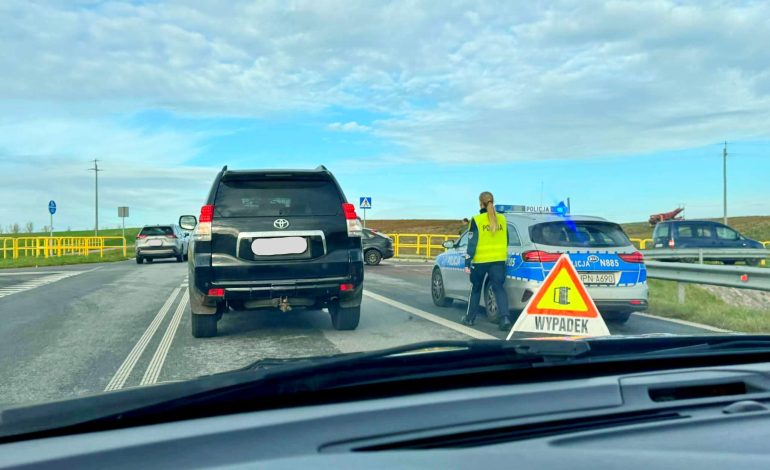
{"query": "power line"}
[(96, 171)]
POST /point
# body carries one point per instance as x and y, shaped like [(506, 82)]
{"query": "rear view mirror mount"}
[(188, 222)]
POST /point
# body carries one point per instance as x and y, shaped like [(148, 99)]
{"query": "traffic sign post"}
[(123, 213), (561, 306), (51, 212), (365, 203)]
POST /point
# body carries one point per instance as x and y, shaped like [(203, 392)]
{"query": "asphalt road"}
[(76, 330)]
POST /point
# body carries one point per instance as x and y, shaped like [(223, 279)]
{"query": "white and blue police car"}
[(608, 263)]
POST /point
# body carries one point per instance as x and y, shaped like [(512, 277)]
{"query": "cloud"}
[(351, 126), (461, 81)]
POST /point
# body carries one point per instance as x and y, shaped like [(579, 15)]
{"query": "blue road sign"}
[(365, 202), (52, 207)]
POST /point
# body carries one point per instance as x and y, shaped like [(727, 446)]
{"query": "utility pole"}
[(724, 181), (96, 171)]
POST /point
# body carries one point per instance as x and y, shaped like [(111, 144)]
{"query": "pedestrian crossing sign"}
[(365, 203), (561, 306)]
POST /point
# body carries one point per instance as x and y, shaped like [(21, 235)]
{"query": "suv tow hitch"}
[(283, 304)]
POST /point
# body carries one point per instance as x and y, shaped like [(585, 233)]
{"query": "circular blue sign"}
[(52, 207)]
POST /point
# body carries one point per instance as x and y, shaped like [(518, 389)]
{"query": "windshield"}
[(191, 187)]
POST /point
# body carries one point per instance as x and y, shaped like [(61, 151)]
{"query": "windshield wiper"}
[(524, 348)]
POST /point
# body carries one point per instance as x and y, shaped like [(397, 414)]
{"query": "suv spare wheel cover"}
[(281, 223)]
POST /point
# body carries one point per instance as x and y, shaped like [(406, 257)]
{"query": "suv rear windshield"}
[(157, 231), (579, 234), (277, 198)]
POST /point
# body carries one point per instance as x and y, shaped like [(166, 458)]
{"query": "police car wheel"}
[(490, 301), (437, 290), (616, 317)]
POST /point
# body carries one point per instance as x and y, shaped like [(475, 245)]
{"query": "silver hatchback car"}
[(161, 241), (608, 263)]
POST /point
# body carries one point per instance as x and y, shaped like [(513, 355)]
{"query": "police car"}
[(608, 264)]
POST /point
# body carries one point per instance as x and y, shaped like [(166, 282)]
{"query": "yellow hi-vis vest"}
[(491, 246)]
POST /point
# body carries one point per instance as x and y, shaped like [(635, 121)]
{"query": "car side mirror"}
[(449, 244), (188, 222)]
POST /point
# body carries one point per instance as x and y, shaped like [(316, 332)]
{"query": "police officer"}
[(486, 257)]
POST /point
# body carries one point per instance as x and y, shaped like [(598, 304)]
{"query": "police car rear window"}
[(579, 234), (277, 198)]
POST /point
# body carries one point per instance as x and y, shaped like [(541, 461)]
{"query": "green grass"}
[(29, 261), (702, 306)]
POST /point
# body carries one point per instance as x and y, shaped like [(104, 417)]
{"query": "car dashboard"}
[(715, 417)]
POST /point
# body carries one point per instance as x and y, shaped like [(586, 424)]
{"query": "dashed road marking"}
[(41, 281), (156, 363), (430, 317), (120, 377)]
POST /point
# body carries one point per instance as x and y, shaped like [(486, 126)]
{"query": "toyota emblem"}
[(281, 223)]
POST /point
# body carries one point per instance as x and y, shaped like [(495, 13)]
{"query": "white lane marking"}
[(684, 322), (430, 317), (156, 363), (34, 273), (120, 377), (41, 281)]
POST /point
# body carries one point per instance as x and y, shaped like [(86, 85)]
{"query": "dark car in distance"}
[(676, 234), (377, 246), (275, 239)]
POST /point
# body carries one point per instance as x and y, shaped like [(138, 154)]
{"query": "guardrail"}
[(425, 245), (44, 247), (714, 274), (707, 254)]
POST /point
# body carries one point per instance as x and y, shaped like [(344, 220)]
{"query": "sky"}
[(621, 106)]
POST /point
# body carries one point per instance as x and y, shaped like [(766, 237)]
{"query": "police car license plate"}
[(596, 279)]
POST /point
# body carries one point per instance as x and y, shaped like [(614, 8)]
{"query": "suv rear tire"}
[(372, 257), (204, 326), (139, 260), (344, 318)]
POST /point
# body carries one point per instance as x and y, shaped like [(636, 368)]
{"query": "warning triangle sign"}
[(561, 306)]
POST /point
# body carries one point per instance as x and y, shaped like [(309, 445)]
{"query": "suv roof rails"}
[(321, 168)]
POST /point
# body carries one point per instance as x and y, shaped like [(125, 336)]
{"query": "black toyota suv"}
[(275, 239)]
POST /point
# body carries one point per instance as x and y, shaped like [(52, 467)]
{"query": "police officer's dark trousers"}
[(495, 271)]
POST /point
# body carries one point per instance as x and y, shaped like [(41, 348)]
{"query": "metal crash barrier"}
[(45, 247), (423, 245)]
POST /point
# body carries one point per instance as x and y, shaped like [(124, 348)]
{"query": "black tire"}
[(204, 326), (345, 318), (437, 290), (493, 314), (139, 260), (236, 305), (752, 262), (372, 257), (616, 317), (149, 260)]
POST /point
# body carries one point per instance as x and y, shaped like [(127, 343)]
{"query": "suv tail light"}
[(355, 228), (540, 256), (203, 229), (671, 243), (170, 235), (635, 257), (141, 235)]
